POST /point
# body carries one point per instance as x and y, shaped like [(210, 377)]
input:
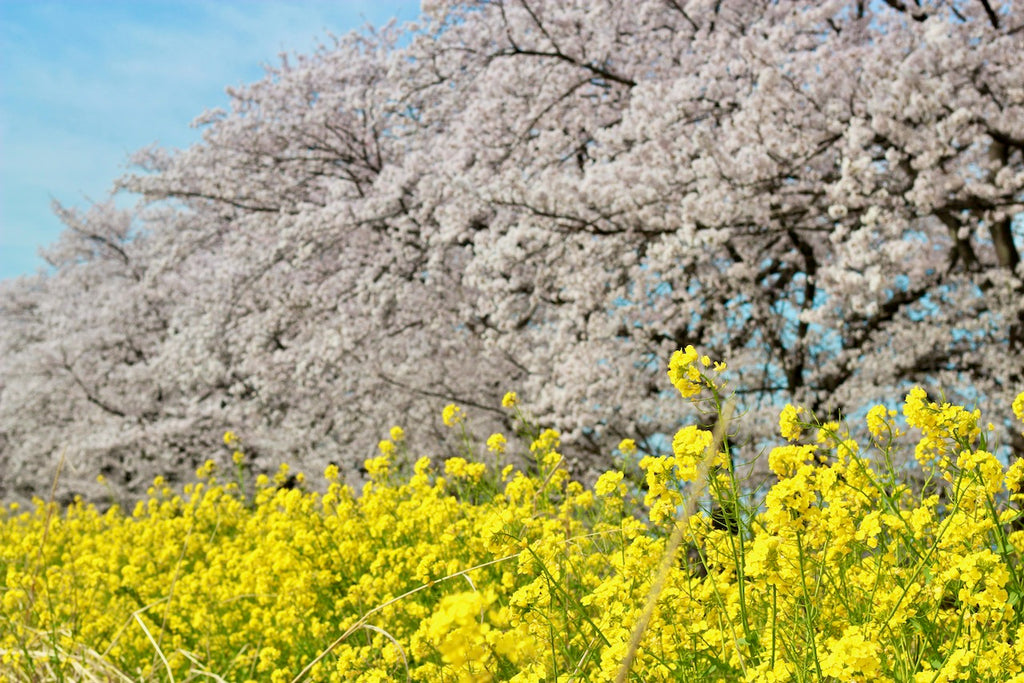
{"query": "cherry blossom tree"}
[(549, 197)]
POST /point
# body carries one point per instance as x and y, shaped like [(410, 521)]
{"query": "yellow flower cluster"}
[(789, 425), (496, 443), (684, 373), (459, 468), (452, 415), (946, 427), (687, 371), (839, 572)]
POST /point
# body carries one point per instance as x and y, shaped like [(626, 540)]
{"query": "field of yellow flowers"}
[(836, 570)]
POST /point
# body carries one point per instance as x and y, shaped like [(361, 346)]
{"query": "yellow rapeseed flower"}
[(688, 447), (608, 483), (852, 656), (789, 424), (451, 415), (496, 443), (548, 441), (460, 468), (377, 467), (877, 423), (786, 461), (206, 469), (443, 578), (683, 373)]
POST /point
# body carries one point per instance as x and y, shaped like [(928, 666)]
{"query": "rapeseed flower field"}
[(837, 569)]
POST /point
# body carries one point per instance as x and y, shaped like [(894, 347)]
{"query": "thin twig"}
[(667, 559)]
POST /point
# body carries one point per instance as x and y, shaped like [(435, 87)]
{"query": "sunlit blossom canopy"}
[(550, 197)]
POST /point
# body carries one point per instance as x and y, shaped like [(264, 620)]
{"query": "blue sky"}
[(85, 83)]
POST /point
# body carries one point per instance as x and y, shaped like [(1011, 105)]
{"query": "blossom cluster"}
[(459, 571), (549, 195)]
